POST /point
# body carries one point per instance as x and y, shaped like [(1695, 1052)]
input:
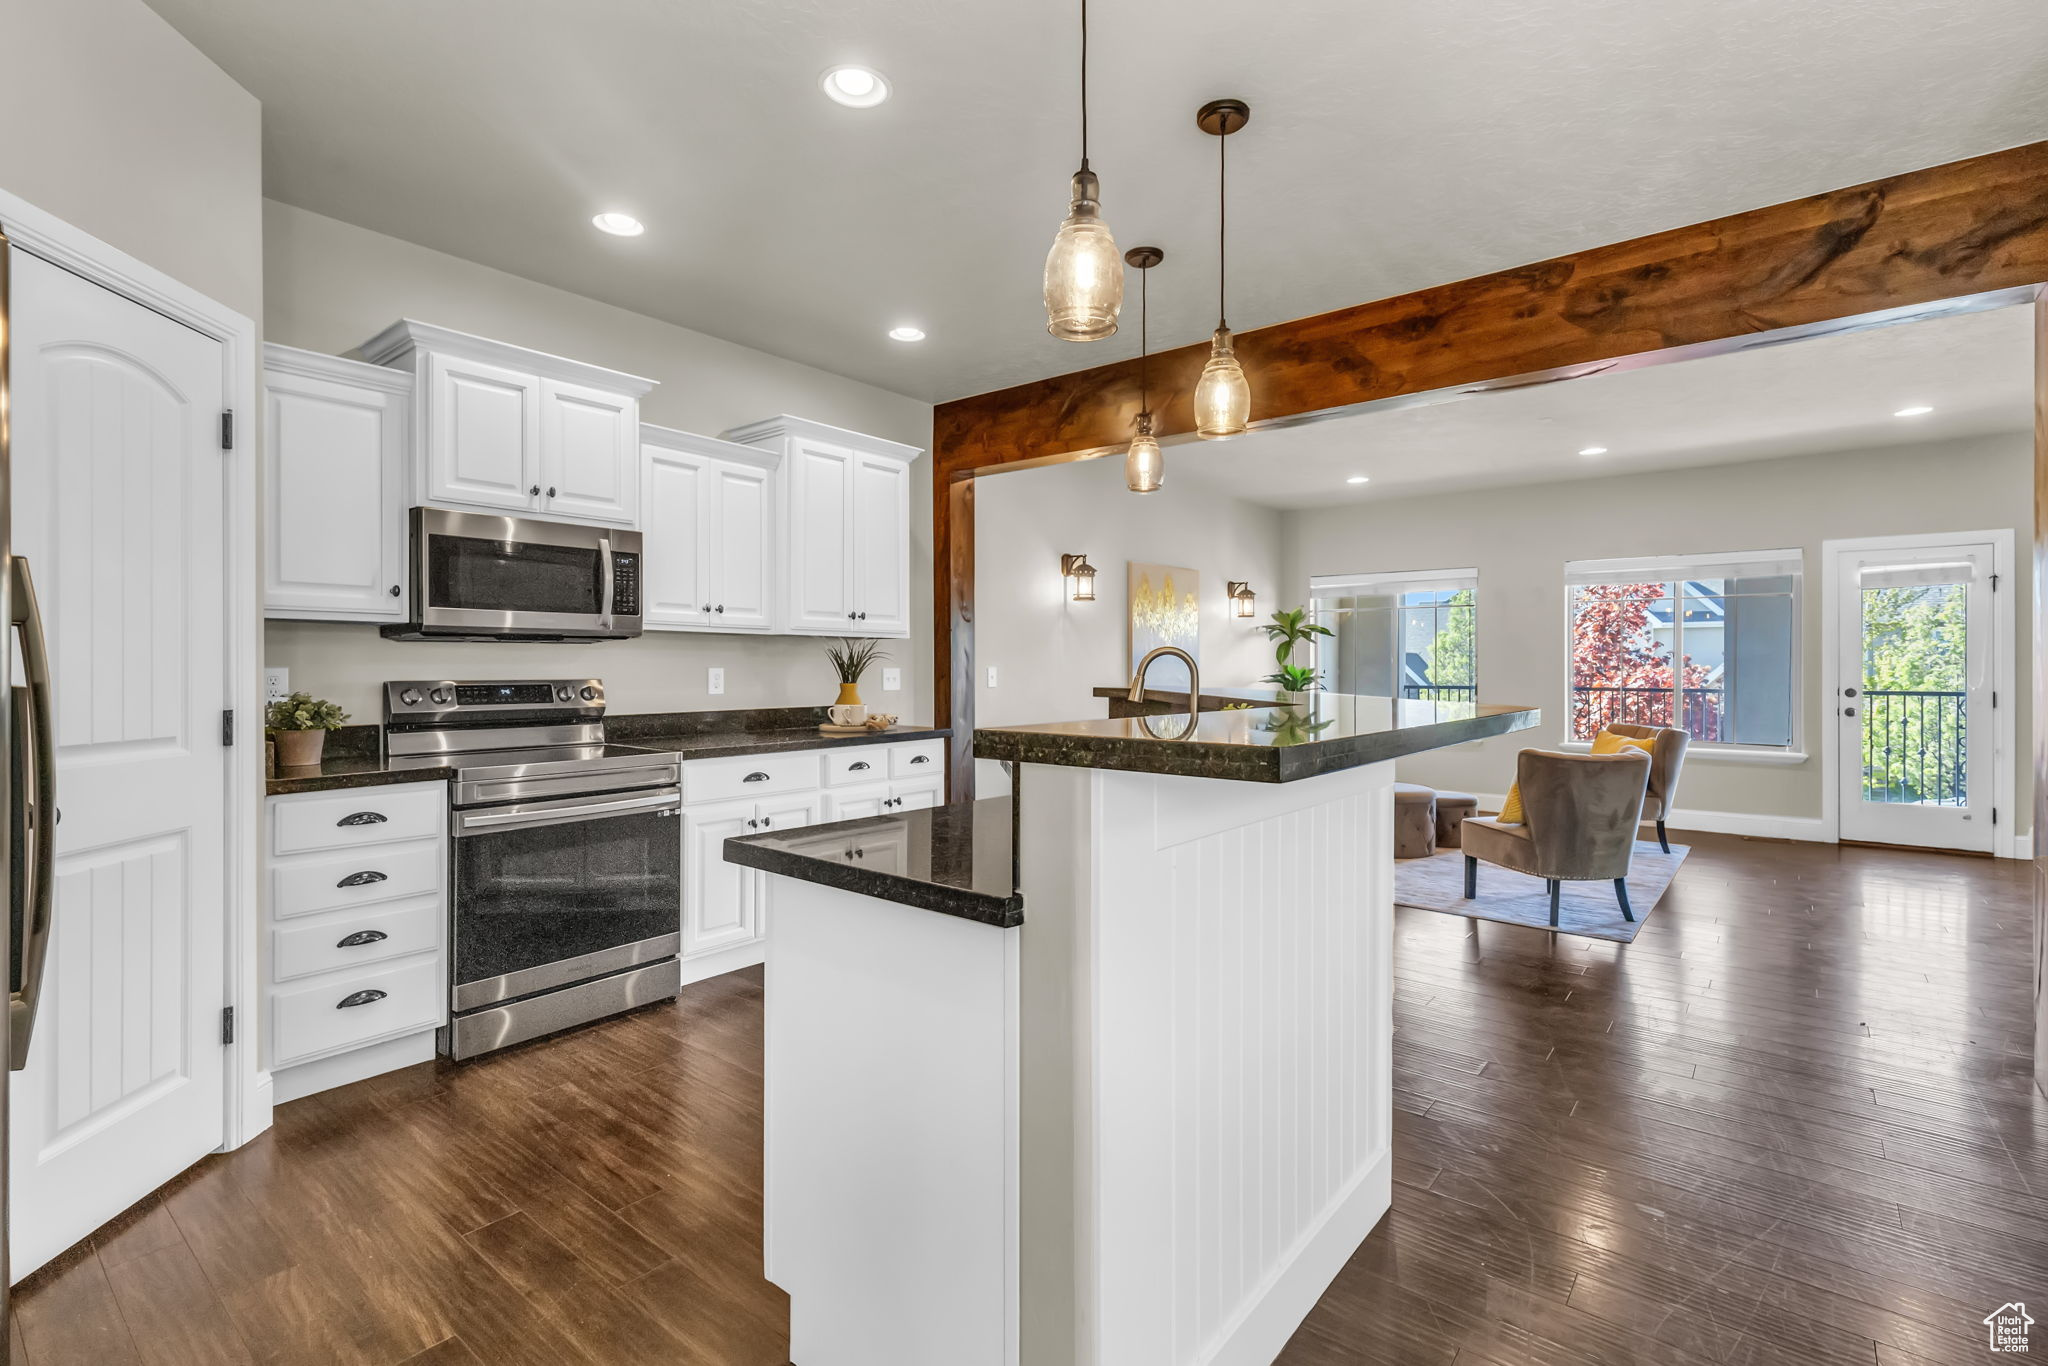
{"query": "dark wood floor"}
[(1793, 1122)]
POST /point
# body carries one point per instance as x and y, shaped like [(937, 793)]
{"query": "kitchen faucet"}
[(1137, 692)]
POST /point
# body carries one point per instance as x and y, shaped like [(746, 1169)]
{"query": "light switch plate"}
[(892, 680), (277, 684), (715, 681), (991, 675)]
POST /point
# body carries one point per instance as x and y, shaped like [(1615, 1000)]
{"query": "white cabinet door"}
[(675, 561), (744, 538), (482, 434), (881, 546), (589, 454), (335, 502), (719, 898), (820, 551), (792, 812), (856, 803), (914, 796)]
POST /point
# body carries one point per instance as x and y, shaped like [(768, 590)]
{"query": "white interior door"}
[(118, 497), (1916, 733)]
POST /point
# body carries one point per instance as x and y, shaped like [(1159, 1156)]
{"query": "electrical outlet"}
[(277, 684), (892, 680), (715, 681), (991, 675)]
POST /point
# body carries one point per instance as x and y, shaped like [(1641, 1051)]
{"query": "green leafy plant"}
[(1292, 726), (1288, 629), (303, 711), (852, 658)]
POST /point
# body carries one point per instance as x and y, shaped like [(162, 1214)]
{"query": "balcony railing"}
[(1440, 692), (1595, 708), (1915, 748)]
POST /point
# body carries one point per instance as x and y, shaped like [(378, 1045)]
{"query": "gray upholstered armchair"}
[(1580, 811), (1666, 758)]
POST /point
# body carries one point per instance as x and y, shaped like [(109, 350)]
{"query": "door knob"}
[(1848, 711), (1848, 692)]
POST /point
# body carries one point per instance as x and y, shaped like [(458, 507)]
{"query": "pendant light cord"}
[(1222, 220), (1084, 84), (1145, 342)]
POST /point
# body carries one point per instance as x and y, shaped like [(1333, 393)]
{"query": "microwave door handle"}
[(604, 557), (38, 818)]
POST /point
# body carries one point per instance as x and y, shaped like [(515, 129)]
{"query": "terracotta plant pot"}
[(849, 695), (299, 748)]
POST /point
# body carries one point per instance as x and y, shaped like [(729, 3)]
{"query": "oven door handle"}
[(531, 814)]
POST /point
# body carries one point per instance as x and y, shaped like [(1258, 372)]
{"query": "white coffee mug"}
[(849, 716)]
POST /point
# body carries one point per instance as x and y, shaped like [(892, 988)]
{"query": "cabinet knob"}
[(721, 609), (551, 490), (753, 824), (394, 590), (707, 606), (863, 616), (533, 492), (767, 821)]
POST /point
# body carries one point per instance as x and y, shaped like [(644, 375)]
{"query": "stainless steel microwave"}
[(479, 577)]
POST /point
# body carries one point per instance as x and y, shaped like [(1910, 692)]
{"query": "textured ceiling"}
[(1828, 394), (1393, 144)]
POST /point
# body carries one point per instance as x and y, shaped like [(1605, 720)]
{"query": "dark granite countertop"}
[(956, 860), (354, 755), (1274, 738)]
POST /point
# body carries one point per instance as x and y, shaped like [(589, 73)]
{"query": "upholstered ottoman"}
[(1414, 820), (1451, 810)]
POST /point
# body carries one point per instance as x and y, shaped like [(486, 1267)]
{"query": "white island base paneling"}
[(1145, 1129)]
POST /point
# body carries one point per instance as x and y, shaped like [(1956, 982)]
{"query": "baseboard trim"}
[(340, 1069), (723, 961)]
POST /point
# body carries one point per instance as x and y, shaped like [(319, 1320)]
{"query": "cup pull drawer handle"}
[(860, 767), (755, 778), (364, 818), (362, 879), (920, 758), (360, 998), (360, 938)]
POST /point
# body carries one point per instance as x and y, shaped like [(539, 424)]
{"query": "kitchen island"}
[(1142, 1116)]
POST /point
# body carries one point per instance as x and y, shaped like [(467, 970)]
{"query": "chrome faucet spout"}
[(1137, 692)]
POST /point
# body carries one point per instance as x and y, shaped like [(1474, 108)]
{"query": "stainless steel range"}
[(567, 857)]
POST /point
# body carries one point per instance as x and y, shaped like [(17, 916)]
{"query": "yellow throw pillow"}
[(1607, 742), (1511, 808)]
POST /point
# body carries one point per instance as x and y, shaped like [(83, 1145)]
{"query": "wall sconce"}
[(1243, 602), (1080, 577)]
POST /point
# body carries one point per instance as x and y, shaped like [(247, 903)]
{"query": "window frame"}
[(1677, 570), (1400, 583)]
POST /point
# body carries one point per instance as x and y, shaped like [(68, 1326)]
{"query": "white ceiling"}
[(1828, 394), (1392, 144)]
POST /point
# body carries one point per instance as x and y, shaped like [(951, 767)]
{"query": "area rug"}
[(1437, 883)]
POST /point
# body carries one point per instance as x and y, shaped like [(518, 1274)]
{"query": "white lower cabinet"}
[(726, 908), (355, 965)]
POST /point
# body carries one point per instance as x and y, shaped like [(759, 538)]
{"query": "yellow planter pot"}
[(849, 695)]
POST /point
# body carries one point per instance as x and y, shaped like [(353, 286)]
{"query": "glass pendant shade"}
[(1223, 399), (1144, 462), (1084, 275)]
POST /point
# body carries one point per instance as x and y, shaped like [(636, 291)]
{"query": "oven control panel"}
[(444, 699), (625, 584)]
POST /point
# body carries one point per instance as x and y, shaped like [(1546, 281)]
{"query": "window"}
[(1407, 635), (1708, 643)]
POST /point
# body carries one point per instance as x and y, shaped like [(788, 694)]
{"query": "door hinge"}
[(227, 1025), (227, 728), (1994, 583), (1994, 815), (227, 429), (1994, 699)]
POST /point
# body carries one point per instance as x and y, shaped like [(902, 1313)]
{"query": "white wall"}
[(1520, 537), (116, 124), (1050, 653), (330, 287)]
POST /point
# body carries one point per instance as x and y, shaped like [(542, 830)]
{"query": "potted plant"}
[(850, 659), (300, 724), (1289, 629)]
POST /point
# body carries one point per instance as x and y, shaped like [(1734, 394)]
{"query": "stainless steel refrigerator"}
[(28, 809)]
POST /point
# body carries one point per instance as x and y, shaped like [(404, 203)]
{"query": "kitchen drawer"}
[(369, 815), (856, 764), (310, 1020), (357, 939), (919, 759), (720, 780), (330, 882)]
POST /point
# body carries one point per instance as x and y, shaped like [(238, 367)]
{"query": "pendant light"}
[(1223, 400), (1144, 463), (1084, 281)]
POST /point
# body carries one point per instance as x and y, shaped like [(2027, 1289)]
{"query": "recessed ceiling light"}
[(1359, 479), (1592, 450), (856, 87), (906, 334), (619, 224), (1917, 410)]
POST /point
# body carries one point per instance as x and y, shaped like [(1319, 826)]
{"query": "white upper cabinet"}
[(336, 433), (845, 515), (508, 430), (708, 533)]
